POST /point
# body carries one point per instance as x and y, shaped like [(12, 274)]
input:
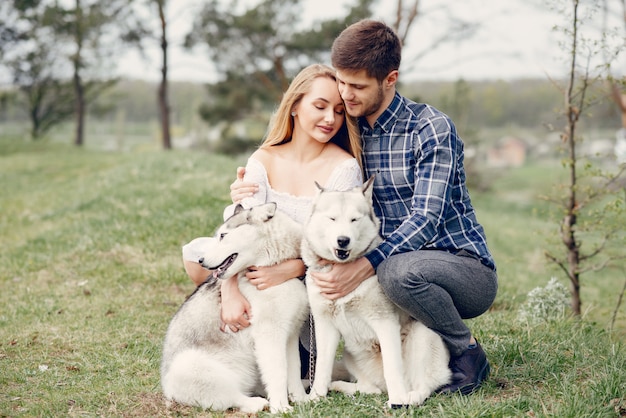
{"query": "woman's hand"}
[(236, 310), (240, 189), (265, 277)]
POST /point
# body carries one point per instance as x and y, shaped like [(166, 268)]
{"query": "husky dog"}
[(384, 349), (206, 367)]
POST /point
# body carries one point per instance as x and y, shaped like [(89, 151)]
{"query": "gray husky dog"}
[(384, 349), (206, 367)]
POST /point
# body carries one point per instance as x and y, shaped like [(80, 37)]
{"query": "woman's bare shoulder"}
[(338, 154), (263, 155)]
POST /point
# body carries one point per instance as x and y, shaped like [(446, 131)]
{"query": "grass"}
[(90, 274)]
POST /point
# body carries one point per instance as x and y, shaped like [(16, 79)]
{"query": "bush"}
[(545, 304)]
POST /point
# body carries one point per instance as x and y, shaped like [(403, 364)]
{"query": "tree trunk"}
[(79, 90), (79, 109), (568, 230), (568, 226), (34, 113), (405, 18), (164, 109)]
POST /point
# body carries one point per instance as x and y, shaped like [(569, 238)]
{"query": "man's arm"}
[(434, 172)]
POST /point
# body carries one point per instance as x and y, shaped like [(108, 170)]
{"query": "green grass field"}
[(90, 274)]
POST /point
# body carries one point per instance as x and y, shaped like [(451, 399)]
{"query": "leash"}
[(312, 350)]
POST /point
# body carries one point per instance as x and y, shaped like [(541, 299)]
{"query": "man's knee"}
[(393, 277)]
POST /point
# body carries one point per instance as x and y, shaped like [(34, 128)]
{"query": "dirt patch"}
[(154, 404)]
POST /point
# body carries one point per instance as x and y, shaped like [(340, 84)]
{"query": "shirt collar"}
[(388, 118)]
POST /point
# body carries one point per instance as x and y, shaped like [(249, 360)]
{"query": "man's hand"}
[(240, 189), (343, 278)]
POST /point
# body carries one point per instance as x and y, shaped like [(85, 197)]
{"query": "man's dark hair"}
[(367, 45)]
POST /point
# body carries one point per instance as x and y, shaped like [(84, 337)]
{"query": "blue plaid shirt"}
[(420, 195)]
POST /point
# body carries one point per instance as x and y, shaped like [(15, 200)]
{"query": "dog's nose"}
[(343, 241), (201, 260)]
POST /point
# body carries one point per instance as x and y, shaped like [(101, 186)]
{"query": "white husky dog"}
[(206, 367), (385, 350)]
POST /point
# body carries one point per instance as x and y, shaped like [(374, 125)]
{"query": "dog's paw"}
[(280, 408), (253, 405), (417, 397), (299, 397), (398, 400), (315, 395)]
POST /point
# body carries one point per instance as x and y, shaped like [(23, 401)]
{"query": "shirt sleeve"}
[(255, 173), (435, 154)]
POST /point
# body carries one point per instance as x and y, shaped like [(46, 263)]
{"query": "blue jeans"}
[(440, 289)]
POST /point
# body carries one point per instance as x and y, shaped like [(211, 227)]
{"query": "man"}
[(434, 262)]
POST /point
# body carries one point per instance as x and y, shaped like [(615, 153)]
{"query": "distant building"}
[(510, 152)]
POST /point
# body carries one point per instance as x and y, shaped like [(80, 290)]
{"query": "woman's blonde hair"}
[(280, 127)]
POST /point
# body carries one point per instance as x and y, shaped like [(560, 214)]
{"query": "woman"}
[(309, 139)]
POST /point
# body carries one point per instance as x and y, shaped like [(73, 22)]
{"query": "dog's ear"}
[(368, 188), (238, 208), (264, 212)]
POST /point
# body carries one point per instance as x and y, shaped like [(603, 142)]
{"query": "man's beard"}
[(373, 107)]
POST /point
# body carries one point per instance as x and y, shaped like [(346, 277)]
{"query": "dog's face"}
[(238, 243), (342, 226)]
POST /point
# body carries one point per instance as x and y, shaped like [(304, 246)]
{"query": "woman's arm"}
[(240, 189), (236, 311), (196, 272)]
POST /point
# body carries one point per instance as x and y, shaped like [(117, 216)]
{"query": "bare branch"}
[(619, 300), (603, 265), (597, 251), (408, 17), (559, 263)]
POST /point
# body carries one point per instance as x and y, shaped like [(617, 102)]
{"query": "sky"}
[(515, 39)]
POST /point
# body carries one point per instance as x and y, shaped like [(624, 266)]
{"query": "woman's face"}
[(320, 113)]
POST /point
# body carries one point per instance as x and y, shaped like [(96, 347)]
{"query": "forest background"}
[(58, 62)]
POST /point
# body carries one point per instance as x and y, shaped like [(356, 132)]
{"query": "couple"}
[(433, 262)]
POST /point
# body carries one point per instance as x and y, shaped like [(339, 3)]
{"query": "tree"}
[(164, 107), (147, 31), (257, 51), (11, 15), (49, 100), (30, 54), (90, 32), (589, 198)]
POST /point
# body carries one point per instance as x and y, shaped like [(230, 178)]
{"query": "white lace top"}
[(344, 177)]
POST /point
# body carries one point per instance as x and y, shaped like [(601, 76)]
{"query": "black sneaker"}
[(469, 370)]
